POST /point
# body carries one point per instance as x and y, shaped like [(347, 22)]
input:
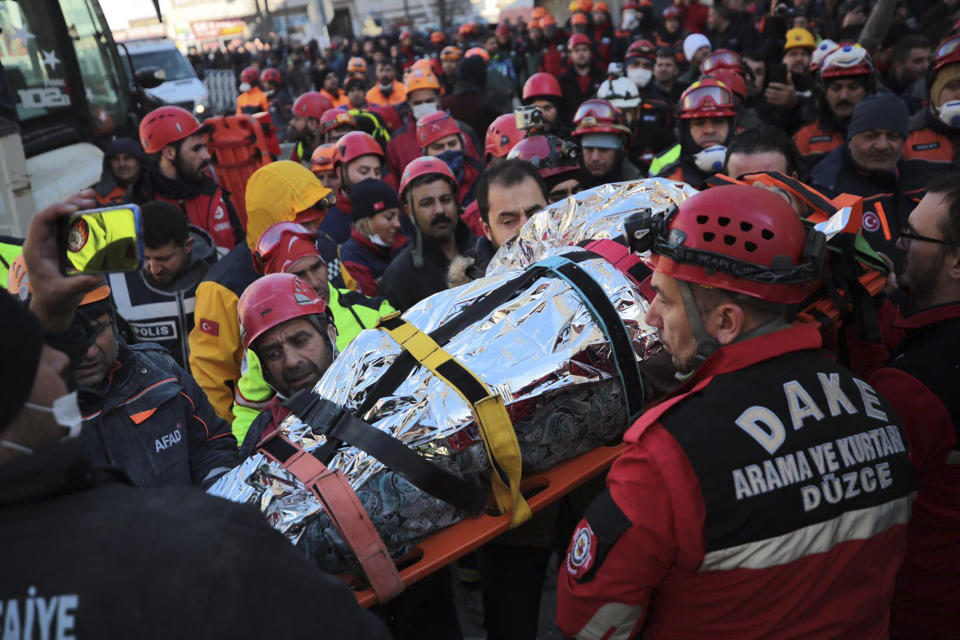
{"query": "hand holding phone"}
[(100, 241)]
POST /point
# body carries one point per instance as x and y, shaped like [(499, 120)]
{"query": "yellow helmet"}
[(800, 38)]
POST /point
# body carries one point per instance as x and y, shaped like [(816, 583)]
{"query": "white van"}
[(182, 88)]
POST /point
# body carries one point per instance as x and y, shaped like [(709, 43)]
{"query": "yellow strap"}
[(496, 429)]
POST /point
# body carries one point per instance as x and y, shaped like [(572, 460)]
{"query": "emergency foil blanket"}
[(542, 351)]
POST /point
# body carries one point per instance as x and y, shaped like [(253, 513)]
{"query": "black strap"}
[(327, 418)]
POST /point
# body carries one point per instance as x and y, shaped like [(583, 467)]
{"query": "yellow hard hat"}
[(800, 38)]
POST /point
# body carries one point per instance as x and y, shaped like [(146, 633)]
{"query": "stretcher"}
[(239, 145)]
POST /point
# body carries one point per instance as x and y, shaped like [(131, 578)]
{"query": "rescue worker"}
[(604, 137), (439, 136), (763, 149), (468, 102), (428, 195), (252, 99), (290, 329), (602, 32), (542, 90), (666, 76), (50, 484), (449, 59), (648, 136), (177, 142), (910, 63), (708, 121), (628, 31), (921, 383), (279, 100), (708, 522), (308, 109), (696, 47), (323, 164), (336, 123), (845, 77), (869, 165), (558, 162), (376, 237), (355, 86), (671, 33), (157, 301), (935, 130), (141, 412), (388, 91), (282, 191), (290, 248), (359, 157), (582, 77), (125, 176), (331, 88)]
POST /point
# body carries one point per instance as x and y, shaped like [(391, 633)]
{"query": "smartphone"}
[(777, 72), (100, 241)]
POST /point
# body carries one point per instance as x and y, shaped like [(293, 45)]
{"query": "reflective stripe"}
[(669, 157), (149, 311), (861, 524), (493, 421)]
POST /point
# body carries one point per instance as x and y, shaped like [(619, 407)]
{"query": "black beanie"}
[(880, 111), (473, 69), (21, 338), (369, 197)]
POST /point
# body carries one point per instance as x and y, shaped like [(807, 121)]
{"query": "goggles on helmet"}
[(275, 238), (706, 97), (720, 60)]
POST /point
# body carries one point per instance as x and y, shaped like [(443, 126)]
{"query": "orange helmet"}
[(451, 53), (548, 21), (437, 38), (579, 19), (423, 64), (357, 65), (418, 79), (466, 29), (478, 51), (324, 158), (539, 12)]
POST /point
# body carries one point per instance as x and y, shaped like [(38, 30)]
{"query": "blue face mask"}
[(454, 160)]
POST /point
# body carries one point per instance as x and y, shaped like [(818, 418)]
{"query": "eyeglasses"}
[(697, 97), (909, 233)]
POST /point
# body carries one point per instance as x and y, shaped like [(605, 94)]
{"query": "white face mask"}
[(630, 20), (949, 113), (640, 76), (423, 109), (66, 411), (244, 87), (377, 240), (711, 159)]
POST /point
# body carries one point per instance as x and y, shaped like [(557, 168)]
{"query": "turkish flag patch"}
[(209, 327), (582, 551)]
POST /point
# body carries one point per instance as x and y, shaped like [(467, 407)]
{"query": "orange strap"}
[(345, 510)]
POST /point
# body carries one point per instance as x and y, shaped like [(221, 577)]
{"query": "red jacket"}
[(207, 206), (731, 515), (922, 384)]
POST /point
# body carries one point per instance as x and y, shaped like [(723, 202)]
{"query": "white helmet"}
[(825, 48), (620, 92)]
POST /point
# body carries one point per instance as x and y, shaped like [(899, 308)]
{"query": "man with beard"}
[(869, 165), (125, 176), (921, 383), (177, 141), (603, 134), (388, 91), (158, 301), (308, 110), (428, 194), (581, 79)]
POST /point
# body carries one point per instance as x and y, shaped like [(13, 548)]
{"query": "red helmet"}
[(502, 136), (549, 154), (579, 19), (848, 59), (541, 85), (599, 116), (424, 166), (336, 118), (166, 125), (324, 158), (629, 5), (755, 229), (434, 126), (578, 39), (271, 75), (249, 75), (356, 144), (641, 49), (947, 51), (272, 300), (437, 38), (733, 80), (721, 59), (276, 241), (466, 29), (672, 12), (311, 104), (503, 29), (707, 98)]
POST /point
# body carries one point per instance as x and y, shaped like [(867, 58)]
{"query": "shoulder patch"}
[(209, 327), (596, 534)]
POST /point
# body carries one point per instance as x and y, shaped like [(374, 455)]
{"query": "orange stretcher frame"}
[(541, 488)]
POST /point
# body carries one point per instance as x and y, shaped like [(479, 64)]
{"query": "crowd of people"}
[(414, 158)]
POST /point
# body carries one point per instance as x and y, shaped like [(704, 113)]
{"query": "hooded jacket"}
[(164, 314), (277, 192), (109, 191)]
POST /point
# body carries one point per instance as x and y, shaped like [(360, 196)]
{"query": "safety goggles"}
[(596, 109), (276, 237), (720, 60), (909, 233), (706, 96), (949, 50)]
